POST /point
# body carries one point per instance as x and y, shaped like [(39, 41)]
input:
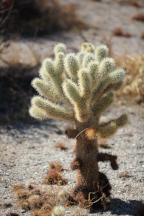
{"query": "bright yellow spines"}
[(87, 47)]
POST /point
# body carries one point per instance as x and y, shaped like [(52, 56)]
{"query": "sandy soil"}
[(26, 149)]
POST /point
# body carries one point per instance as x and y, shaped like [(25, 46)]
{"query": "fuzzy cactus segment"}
[(79, 85)]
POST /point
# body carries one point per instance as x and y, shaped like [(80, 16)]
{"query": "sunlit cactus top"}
[(76, 86)]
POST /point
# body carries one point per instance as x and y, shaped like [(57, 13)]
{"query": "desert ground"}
[(27, 146)]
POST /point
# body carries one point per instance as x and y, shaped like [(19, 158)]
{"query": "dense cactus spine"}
[(79, 88)]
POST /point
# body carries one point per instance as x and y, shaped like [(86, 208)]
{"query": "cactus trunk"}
[(86, 153), (92, 186)]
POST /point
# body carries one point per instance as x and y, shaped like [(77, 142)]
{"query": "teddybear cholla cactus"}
[(79, 88)]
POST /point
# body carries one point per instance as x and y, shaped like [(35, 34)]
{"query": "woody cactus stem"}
[(79, 88)]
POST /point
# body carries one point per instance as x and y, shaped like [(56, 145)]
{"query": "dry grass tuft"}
[(65, 198), (35, 191), (53, 177), (134, 81), (35, 213), (56, 166), (24, 204), (47, 201), (30, 187), (121, 33), (61, 146), (7, 205), (135, 3), (22, 194), (138, 17), (41, 203), (124, 174), (18, 186), (35, 201)]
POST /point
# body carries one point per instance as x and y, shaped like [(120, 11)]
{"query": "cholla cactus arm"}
[(85, 82), (38, 113), (59, 65), (112, 78), (87, 59), (101, 52), (71, 66), (106, 66), (60, 48), (107, 129), (111, 127), (80, 57), (52, 110), (45, 90), (113, 87), (81, 108), (93, 68), (48, 64), (104, 103), (49, 73)]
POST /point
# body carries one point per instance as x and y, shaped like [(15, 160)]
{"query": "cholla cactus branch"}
[(60, 48), (104, 103), (71, 66), (45, 90), (101, 52), (79, 88), (111, 127), (51, 109)]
